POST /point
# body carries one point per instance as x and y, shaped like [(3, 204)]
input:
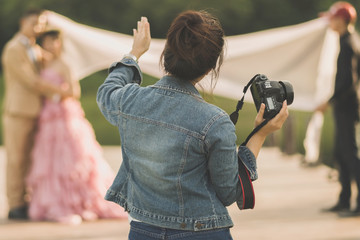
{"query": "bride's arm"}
[(71, 85)]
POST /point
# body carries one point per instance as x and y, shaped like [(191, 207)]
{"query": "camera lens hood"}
[(289, 92)]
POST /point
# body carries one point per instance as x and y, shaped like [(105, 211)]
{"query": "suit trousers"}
[(18, 136), (346, 154)]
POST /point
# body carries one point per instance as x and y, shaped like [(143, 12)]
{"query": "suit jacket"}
[(22, 98)]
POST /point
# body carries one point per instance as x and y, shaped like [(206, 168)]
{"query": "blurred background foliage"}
[(236, 16)]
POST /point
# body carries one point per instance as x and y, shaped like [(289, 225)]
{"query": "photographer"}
[(180, 163)]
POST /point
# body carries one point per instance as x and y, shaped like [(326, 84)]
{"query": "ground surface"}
[(288, 203)]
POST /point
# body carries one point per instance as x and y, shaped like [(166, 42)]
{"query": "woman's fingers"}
[(147, 27), (142, 38), (284, 112), (143, 25), (260, 116), (280, 118), (262, 110)]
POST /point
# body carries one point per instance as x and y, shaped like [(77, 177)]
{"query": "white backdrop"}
[(302, 54)]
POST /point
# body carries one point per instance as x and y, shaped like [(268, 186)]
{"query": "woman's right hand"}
[(257, 140), (275, 123), (142, 38)]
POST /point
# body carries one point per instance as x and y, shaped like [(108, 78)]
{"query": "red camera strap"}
[(248, 194)]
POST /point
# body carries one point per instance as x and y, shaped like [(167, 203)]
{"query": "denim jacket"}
[(179, 167)]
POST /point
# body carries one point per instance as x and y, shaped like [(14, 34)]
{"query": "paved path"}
[(288, 203)]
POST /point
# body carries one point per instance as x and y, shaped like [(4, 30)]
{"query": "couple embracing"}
[(53, 158)]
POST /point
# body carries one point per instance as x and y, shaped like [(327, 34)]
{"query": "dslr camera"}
[(272, 94)]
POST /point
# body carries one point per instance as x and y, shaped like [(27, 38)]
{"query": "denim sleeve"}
[(110, 93), (223, 160), (248, 158)]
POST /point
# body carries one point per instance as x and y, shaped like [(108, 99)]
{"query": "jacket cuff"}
[(129, 62), (249, 160)]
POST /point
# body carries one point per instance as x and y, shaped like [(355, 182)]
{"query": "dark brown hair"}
[(194, 45), (54, 33), (31, 12)]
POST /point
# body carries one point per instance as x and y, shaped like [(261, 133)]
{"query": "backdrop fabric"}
[(302, 54)]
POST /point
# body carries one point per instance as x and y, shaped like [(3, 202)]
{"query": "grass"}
[(289, 139)]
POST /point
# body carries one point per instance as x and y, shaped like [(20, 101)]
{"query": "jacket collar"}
[(178, 84)]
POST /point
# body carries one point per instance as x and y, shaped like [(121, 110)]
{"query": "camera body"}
[(272, 94)]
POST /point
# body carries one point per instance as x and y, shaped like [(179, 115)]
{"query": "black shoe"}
[(310, 164), (19, 213), (354, 213), (337, 208)]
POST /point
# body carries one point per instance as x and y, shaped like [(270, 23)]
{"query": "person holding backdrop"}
[(345, 102), (68, 176), (180, 164)]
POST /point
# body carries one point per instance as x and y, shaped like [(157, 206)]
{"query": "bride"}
[(68, 177)]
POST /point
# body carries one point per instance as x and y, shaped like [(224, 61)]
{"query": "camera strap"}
[(235, 115), (244, 176)]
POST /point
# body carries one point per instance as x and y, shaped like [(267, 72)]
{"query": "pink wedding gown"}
[(68, 177)]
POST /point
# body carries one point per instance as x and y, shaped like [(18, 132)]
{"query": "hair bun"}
[(192, 19), (188, 29), (194, 43)]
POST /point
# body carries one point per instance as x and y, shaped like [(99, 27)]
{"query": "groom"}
[(22, 105)]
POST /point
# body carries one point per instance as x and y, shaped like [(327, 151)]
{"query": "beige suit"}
[(22, 105)]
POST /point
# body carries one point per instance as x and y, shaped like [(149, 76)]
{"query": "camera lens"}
[(288, 92)]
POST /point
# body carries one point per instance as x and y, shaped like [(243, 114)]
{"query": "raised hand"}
[(142, 38)]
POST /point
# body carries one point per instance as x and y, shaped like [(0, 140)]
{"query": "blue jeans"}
[(143, 231)]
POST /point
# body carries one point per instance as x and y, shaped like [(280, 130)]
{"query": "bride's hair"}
[(53, 33)]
